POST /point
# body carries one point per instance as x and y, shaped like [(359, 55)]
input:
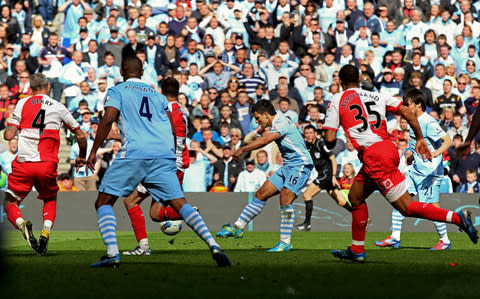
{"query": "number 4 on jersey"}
[(39, 120), (145, 109)]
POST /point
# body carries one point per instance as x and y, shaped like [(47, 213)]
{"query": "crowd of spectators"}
[(229, 54)]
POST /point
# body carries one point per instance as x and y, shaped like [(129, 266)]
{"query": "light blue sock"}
[(397, 221), (195, 221), (287, 216), (107, 224), (249, 212)]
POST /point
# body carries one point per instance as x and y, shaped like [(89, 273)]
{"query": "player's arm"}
[(446, 143), (10, 132), (169, 115), (258, 143), (464, 149), (82, 143), (333, 160), (421, 147), (104, 127)]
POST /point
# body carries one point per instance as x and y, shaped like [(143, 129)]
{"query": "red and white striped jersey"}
[(362, 115), (39, 120), (180, 121)]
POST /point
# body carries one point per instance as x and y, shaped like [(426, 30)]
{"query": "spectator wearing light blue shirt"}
[(73, 11), (109, 71)]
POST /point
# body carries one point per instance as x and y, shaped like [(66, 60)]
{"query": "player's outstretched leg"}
[(107, 224), (249, 212), (15, 217), (195, 221), (49, 215), (137, 219), (428, 211), (394, 239)]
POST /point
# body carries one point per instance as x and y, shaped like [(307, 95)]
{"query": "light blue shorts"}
[(159, 176), (294, 178), (426, 187)]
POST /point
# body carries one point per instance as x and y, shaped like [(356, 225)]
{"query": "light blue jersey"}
[(432, 133), (291, 143), (144, 126), (424, 177)]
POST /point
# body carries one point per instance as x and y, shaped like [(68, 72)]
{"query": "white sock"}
[(19, 222), (396, 235), (143, 243), (47, 225), (445, 239), (112, 250)]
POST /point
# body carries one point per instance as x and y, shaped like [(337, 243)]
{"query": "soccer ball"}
[(171, 227)]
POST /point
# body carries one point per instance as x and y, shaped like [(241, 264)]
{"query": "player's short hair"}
[(417, 97), (263, 106), (170, 87), (132, 65), (38, 81), (349, 74)]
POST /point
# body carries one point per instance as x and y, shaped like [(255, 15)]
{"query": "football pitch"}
[(181, 266)]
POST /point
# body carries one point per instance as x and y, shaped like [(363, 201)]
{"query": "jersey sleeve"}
[(332, 121), (113, 99), (16, 115), (68, 119), (320, 144), (280, 126), (434, 131), (392, 103)]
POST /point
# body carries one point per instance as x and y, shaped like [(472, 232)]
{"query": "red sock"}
[(138, 222), (50, 210), (431, 212), (169, 213), (359, 225), (13, 213)]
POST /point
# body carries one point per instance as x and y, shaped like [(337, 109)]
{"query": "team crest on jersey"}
[(317, 155)]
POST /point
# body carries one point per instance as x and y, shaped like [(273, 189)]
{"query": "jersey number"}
[(145, 109), (39, 121), (359, 115)]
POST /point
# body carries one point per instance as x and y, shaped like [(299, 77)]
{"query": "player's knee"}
[(128, 203)]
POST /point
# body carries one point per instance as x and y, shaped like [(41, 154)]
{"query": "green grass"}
[(186, 269)]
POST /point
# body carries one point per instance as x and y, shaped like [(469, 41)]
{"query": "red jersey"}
[(39, 119), (179, 119), (362, 115)]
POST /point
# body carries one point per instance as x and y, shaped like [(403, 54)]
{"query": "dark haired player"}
[(362, 115), (147, 156), (288, 180), (424, 176)]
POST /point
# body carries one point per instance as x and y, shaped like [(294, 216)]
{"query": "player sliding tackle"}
[(362, 115), (147, 156), (288, 180)]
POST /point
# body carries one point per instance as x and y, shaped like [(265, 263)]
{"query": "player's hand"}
[(92, 159), (335, 182), (422, 149), (462, 151), (80, 162)]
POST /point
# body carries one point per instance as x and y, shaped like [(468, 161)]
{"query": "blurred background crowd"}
[(229, 54)]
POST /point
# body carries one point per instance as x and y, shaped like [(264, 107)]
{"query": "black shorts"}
[(324, 179)]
